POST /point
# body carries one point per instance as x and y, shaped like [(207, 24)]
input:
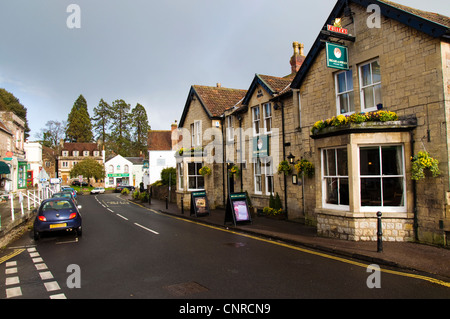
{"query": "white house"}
[(124, 171), (161, 152), (33, 151)]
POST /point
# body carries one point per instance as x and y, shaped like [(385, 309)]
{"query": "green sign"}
[(119, 175), (337, 56), (261, 146)]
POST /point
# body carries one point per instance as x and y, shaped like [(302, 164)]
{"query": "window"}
[(344, 92), (96, 153), (65, 153), (180, 176), (192, 135), (382, 176), (370, 78), (269, 176), (230, 128), (85, 153), (335, 178), (126, 169), (198, 133), (257, 176), (256, 120), (299, 110), (75, 153), (195, 180), (65, 164), (111, 169), (268, 118)]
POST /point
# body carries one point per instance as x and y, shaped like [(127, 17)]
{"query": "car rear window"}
[(57, 205)]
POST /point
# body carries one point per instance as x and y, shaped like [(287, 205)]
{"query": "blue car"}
[(57, 214)]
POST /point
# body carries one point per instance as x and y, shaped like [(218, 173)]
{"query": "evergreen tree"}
[(120, 127), (79, 126), (141, 127), (102, 117)]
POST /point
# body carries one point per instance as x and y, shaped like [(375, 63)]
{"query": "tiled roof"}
[(431, 16), (277, 84), (80, 147), (218, 99), (159, 140)]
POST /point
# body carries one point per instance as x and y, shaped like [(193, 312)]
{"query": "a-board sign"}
[(237, 209), (199, 204)]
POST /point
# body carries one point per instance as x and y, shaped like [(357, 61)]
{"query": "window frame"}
[(257, 176), (336, 176), (267, 118), (197, 176), (346, 91), (256, 122), (230, 128), (268, 175), (381, 176), (371, 85)]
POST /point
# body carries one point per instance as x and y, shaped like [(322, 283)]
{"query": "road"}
[(128, 251)]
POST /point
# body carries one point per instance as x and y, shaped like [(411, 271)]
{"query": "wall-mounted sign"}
[(119, 175), (199, 204), (260, 146), (337, 56), (336, 29)]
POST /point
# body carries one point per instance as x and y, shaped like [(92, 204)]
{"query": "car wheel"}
[(79, 232), (36, 235)]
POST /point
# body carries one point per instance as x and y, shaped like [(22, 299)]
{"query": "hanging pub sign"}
[(260, 146), (199, 204), (237, 209), (337, 56)]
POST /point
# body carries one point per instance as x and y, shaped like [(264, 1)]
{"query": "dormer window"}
[(86, 153), (65, 153), (75, 153)]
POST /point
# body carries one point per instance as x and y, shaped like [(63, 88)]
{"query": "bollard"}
[(182, 206), (167, 202), (379, 234)]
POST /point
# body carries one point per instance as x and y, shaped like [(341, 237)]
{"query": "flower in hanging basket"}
[(284, 167), (205, 170), (423, 161), (234, 170), (305, 167)]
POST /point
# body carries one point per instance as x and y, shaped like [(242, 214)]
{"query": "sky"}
[(149, 52)]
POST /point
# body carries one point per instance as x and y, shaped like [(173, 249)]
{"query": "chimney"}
[(298, 57), (218, 85), (175, 137)]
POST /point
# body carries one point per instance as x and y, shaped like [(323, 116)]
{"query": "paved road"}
[(127, 251)]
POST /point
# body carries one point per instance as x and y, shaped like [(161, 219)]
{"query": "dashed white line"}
[(122, 216), (148, 229), (110, 210)]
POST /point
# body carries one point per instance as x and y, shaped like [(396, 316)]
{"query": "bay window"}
[(335, 178)]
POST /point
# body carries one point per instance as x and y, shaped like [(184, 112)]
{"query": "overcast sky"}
[(149, 52)]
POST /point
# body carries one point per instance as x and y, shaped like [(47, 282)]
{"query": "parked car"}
[(98, 190), (78, 183), (67, 194), (56, 214), (69, 189), (119, 188)]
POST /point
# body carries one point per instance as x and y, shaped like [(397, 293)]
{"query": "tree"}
[(120, 127), (8, 102), (140, 124), (52, 134), (88, 168), (79, 126), (102, 117)]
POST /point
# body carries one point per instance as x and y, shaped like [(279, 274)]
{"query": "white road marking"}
[(12, 281), (51, 286), (45, 275), (110, 210), (13, 292), (148, 229), (122, 216)]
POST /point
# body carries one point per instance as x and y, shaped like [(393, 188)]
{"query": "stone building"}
[(398, 61), (200, 135), (372, 93)]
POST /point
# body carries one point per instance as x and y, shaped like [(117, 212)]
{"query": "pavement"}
[(408, 256)]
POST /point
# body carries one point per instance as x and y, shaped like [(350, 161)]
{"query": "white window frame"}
[(65, 153), (192, 135), (256, 121), (197, 175), (198, 133), (371, 85), (268, 172), (65, 164), (339, 177), (267, 117), (299, 109), (75, 153), (381, 177), (230, 128), (257, 176), (85, 153), (346, 91)]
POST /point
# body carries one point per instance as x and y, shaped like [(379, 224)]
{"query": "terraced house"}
[(363, 119)]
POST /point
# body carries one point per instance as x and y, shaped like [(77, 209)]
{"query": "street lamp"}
[(291, 158)]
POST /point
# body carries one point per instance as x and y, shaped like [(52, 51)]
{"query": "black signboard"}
[(237, 209), (199, 204)]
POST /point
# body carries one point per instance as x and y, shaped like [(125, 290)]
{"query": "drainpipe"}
[(414, 188), (284, 158), (239, 117)]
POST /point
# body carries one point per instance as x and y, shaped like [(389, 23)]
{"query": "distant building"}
[(124, 171), (72, 153), (161, 151)]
